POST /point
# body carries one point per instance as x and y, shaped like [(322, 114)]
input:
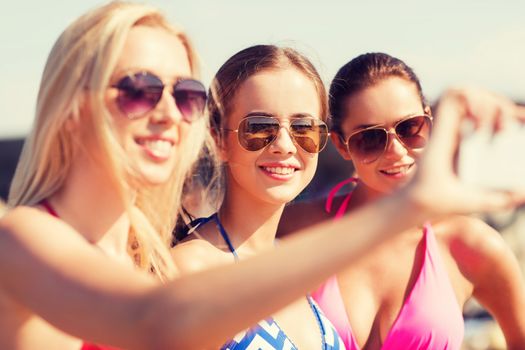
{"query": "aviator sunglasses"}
[(256, 132), (368, 144), (140, 93)]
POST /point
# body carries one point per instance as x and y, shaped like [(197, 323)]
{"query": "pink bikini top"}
[(430, 317)]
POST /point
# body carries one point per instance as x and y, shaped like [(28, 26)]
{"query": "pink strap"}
[(49, 208), (333, 192)]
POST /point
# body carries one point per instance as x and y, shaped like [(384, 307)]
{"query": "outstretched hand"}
[(436, 186)]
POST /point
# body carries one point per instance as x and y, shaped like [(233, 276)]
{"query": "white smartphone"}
[(495, 161)]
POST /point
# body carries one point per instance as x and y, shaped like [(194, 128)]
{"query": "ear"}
[(337, 140), (218, 138), (427, 110)]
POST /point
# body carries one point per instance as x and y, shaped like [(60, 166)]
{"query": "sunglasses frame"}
[(391, 130), (133, 75), (292, 137)]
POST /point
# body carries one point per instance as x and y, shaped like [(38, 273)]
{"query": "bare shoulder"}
[(476, 246), (195, 254), (23, 221)]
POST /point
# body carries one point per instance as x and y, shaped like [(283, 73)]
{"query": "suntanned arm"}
[(491, 266), (48, 268)]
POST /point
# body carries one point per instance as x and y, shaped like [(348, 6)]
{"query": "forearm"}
[(213, 305)]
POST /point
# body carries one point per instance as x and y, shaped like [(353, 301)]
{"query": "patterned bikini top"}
[(267, 334)]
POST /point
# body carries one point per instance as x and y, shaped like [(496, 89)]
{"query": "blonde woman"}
[(118, 124)]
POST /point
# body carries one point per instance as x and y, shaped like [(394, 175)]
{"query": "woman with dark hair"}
[(408, 292)]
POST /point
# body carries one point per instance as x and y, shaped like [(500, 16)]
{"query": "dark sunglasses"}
[(368, 144), (140, 93), (257, 132)]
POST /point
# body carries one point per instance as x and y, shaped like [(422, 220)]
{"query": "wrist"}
[(452, 101), (415, 199)]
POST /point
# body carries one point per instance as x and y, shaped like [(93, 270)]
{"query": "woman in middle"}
[(268, 112)]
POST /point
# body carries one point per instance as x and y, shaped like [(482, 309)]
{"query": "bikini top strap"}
[(196, 223), (333, 192), (225, 236), (45, 203)]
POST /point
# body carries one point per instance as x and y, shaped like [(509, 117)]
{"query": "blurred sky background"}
[(447, 42)]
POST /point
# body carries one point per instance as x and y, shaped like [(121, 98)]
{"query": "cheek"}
[(416, 154), (187, 132), (110, 99), (233, 152), (122, 129), (310, 166), (119, 122), (363, 169)]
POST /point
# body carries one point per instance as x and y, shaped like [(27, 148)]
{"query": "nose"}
[(166, 110), (283, 142), (395, 149)]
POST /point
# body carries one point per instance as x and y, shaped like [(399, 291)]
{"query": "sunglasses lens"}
[(368, 145), (414, 132), (255, 133), (190, 97), (310, 134), (139, 94)]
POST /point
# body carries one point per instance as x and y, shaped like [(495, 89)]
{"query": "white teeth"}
[(397, 170), (279, 170), (159, 148)]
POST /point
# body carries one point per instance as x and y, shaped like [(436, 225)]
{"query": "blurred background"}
[(446, 42)]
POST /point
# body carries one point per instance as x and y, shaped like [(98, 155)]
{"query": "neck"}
[(251, 224), (362, 194), (89, 201)]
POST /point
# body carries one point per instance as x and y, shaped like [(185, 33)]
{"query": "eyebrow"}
[(267, 114), (365, 126), (130, 71)]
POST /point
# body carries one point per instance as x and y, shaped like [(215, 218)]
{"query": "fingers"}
[(491, 201), (520, 113), (444, 139), (436, 171), (484, 108)]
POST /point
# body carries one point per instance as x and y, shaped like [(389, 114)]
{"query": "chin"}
[(282, 197), (155, 177), (394, 189)]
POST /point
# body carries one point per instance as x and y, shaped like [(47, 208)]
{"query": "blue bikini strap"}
[(225, 236)]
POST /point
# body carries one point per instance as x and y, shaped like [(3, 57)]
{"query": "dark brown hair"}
[(364, 71)]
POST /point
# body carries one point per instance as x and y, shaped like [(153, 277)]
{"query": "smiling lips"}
[(279, 172), (398, 171), (157, 148)]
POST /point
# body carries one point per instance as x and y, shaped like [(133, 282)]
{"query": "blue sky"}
[(447, 42)]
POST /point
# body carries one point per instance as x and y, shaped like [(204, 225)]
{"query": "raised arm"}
[(48, 268)]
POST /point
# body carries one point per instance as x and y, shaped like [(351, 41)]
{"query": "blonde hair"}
[(75, 77)]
